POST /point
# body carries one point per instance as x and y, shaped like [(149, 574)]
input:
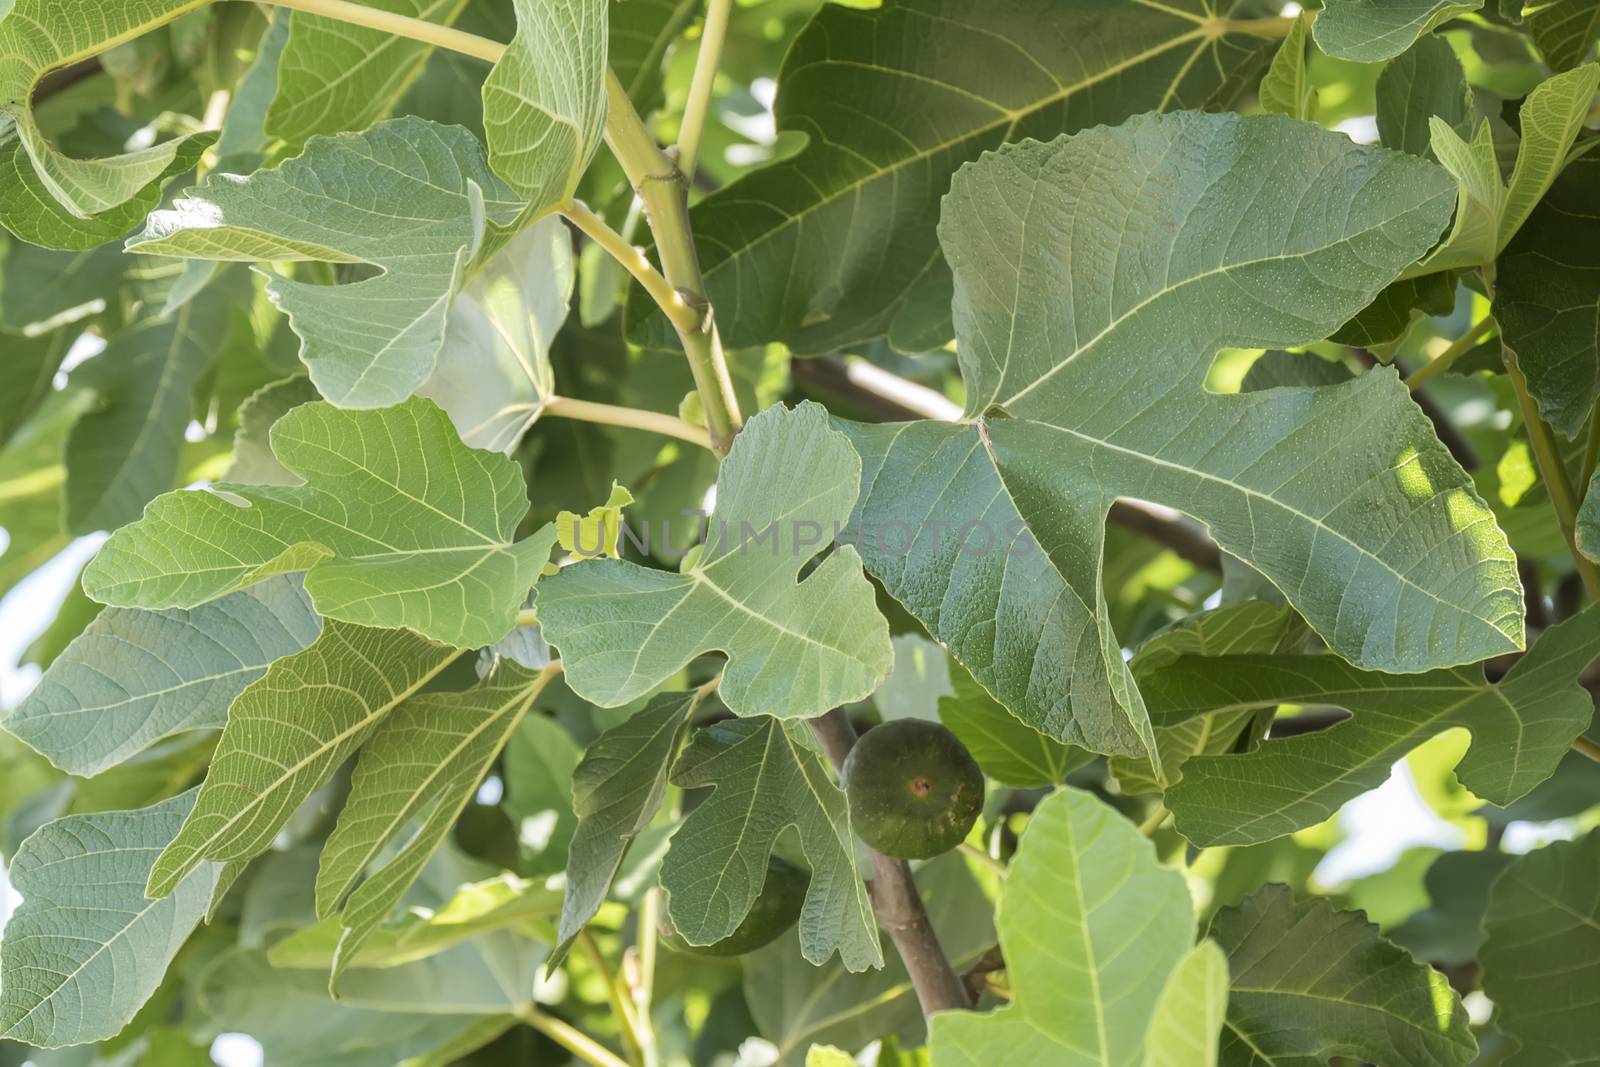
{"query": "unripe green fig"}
[(776, 908), (914, 789)]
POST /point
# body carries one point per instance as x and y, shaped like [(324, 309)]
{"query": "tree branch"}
[(895, 899), (703, 81)]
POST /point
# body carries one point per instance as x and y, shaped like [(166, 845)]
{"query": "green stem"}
[(572, 1039), (1587, 747), (468, 44), (700, 86), (661, 187), (1153, 823), (564, 407), (681, 315), (1554, 474), (1459, 347), (619, 1003)]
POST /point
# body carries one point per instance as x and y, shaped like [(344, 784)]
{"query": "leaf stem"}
[(626, 1023), (1271, 27), (1154, 821), (1553, 473), (700, 86), (468, 44), (572, 1039), (664, 191), (681, 315), (1458, 348), (895, 900), (1587, 747), (565, 407), (976, 853)]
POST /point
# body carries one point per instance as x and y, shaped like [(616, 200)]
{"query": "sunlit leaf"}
[(386, 539)]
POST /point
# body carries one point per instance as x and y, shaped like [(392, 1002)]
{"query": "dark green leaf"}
[(1310, 982), (837, 245)]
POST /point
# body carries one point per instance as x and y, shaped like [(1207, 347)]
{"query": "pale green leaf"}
[(134, 677), (422, 765), (920, 677), (1369, 31), (126, 450), (1521, 727), (1188, 1018), (1286, 89), (894, 99), (1541, 959), (1273, 234), (1091, 927), (1492, 210), (29, 207), (544, 104), (1564, 30), (1423, 83), (494, 374), (1008, 749), (85, 948), (828, 1056), (37, 36), (766, 778), (506, 903), (253, 460), (384, 1015), (1552, 117), (407, 197), (286, 735), (1547, 297), (1310, 982), (334, 77), (397, 524), (795, 647), (616, 792)]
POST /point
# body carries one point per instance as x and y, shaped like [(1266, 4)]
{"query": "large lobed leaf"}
[(767, 777), (1096, 278), (796, 646), (1521, 727), (397, 524), (1310, 983), (134, 677), (86, 949), (1093, 929), (837, 245), (408, 197)]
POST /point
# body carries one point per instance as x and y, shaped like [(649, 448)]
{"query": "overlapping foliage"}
[(425, 678)]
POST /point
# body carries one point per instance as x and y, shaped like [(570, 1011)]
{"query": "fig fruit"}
[(914, 789)]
